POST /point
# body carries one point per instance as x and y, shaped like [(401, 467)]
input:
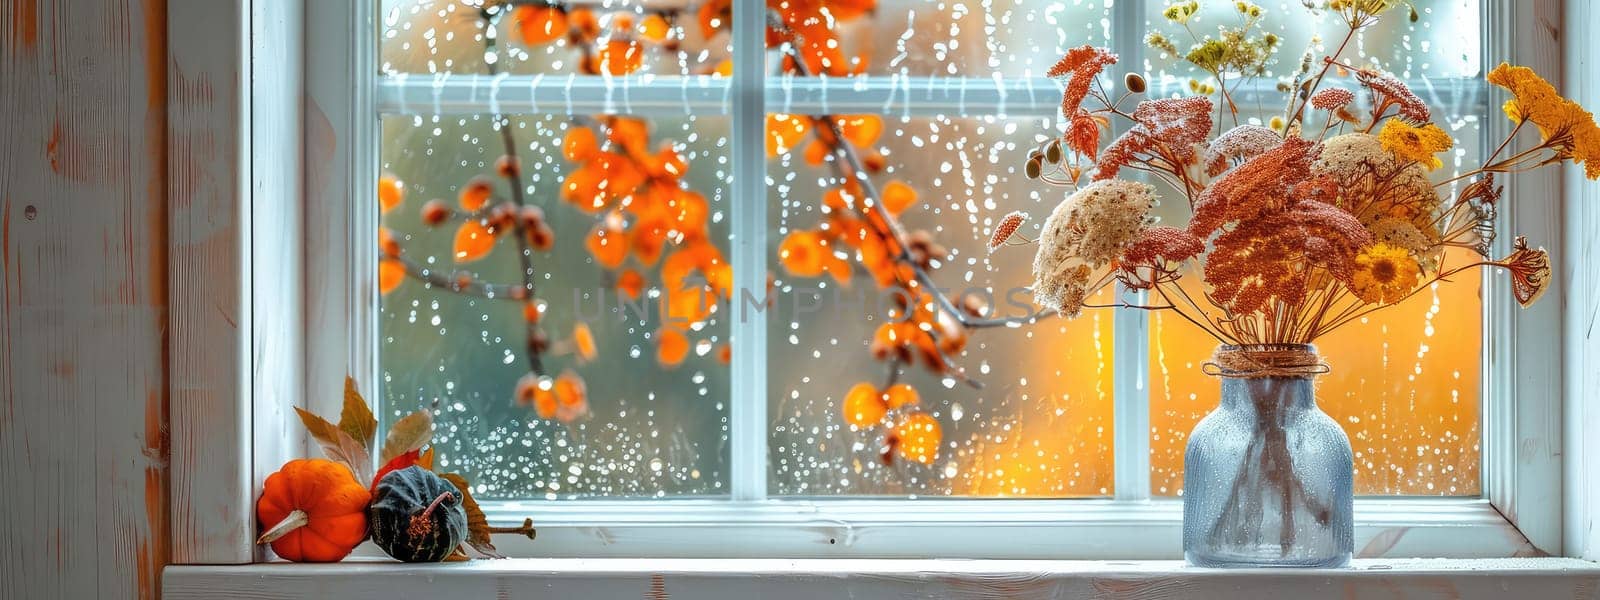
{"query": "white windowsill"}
[(593, 579)]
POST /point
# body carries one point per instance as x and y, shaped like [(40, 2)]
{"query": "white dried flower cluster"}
[(1239, 144), (1374, 185), (1084, 234)]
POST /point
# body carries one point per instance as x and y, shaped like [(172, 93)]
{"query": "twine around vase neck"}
[(1294, 361)]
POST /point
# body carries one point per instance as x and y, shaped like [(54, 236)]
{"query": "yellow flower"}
[(1569, 128), (1384, 274), (1415, 144)]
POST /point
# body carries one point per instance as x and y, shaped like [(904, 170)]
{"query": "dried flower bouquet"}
[(1299, 225)]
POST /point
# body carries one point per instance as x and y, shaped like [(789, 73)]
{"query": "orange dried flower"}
[(1530, 271), (1080, 66), (1008, 225)]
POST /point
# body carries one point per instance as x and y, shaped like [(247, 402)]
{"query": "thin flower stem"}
[(1299, 103)]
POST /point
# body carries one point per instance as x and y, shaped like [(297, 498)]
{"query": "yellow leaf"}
[(357, 419)]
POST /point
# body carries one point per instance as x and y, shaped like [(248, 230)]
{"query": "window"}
[(736, 417)]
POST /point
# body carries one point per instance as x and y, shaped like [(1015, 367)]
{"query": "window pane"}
[(1410, 403), (940, 38), (1443, 42), (653, 418), (629, 36), (1041, 423)]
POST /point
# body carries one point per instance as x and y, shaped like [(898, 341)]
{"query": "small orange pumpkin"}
[(313, 510)]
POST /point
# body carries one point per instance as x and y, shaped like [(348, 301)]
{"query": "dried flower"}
[(1260, 185), (1152, 257), (1530, 271), (1384, 274), (1373, 184), (1332, 98), (1272, 258), (1564, 123), (1168, 127), (1416, 144), (1085, 232), (1390, 91), (1239, 144), (1083, 134), (1080, 66), (1008, 225)]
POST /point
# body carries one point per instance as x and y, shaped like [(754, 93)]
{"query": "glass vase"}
[(1267, 475)]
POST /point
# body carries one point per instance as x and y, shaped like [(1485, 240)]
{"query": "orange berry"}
[(583, 23), (531, 216), (900, 395), (579, 144), (919, 436), (863, 406), (654, 28), (473, 241), (476, 193), (538, 25), (617, 58), (387, 243), (630, 283), (541, 237), (572, 397), (672, 346), (508, 166), (583, 342), (725, 354), (803, 253), (861, 130), (897, 196), (390, 274), (532, 311), (608, 243), (391, 191), (435, 212), (533, 390), (786, 132)]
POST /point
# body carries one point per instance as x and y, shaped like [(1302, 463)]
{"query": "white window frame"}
[(294, 326)]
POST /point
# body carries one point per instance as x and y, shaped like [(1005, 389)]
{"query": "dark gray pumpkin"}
[(402, 522)]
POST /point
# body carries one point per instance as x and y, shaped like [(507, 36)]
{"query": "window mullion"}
[(747, 321), (1130, 340)]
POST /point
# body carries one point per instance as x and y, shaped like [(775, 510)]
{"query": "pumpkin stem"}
[(421, 524), (435, 504), (293, 521)]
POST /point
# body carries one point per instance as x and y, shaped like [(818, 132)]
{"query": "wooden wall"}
[(83, 302)]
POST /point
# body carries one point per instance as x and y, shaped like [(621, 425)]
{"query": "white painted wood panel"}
[(341, 215), (1522, 436), (1578, 263), (211, 313), (237, 238), (83, 298), (808, 579)]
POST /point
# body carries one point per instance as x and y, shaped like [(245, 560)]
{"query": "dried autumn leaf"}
[(477, 522), (399, 462), (409, 433), (338, 445), (356, 418), (426, 460)]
